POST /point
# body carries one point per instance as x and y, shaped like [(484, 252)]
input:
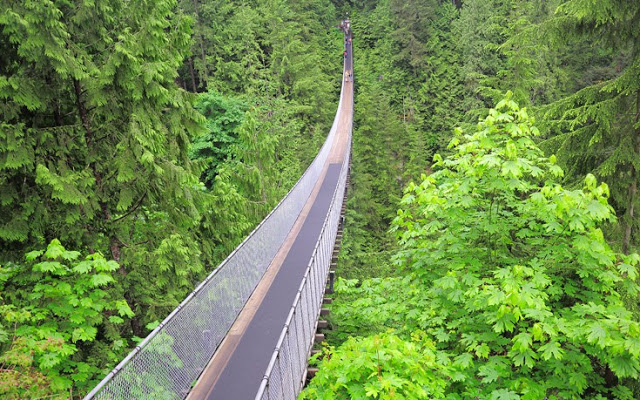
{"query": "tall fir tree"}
[(94, 138), (376, 185), (440, 94), (599, 125)]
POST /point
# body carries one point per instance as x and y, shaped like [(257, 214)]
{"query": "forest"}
[(491, 236)]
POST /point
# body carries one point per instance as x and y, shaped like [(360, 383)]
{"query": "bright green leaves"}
[(84, 334), (381, 303), (628, 270), (380, 367), (521, 352), (624, 366), (215, 146), (495, 369), (511, 169), (53, 311), (98, 280), (551, 350), (504, 394), (596, 334), (56, 250), (123, 308), (517, 267)]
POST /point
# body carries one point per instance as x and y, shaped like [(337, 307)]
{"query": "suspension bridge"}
[(247, 331)]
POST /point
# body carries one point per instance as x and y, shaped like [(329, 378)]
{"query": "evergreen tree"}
[(270, 102), (211, 18), (441, 93), (376, 186), (600, 124), (94, 138), (477, 32), (411, 27)]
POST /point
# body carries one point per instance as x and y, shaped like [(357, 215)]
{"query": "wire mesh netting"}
[(299, 329)]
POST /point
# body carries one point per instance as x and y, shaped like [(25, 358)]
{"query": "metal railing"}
[(285, 374), (167, 363)]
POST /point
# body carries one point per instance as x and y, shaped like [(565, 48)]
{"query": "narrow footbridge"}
[(246, 332)]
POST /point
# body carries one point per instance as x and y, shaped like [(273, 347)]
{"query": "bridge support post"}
[(332, 278)]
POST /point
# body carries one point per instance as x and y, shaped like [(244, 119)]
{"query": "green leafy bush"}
[(52, 311), (520, 283), (382, 366), (215, 146), (380, 305), (510, 274)]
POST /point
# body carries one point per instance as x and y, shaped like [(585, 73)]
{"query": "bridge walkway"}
[(239, 364)]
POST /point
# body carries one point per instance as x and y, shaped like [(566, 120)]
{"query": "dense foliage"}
[(268, 97), (509, 275), (460, 60), (599, 125), (50, 313), (382, 366)]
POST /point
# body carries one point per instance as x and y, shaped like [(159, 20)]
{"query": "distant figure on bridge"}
[(345, 26)]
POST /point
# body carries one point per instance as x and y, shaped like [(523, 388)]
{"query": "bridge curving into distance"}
[(246, 332)]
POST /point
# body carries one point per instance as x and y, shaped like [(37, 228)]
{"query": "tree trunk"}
[(57, 116), (628, 219), (114, 244), (89, 142), (193, 76), (83, 112), (205, 71), (633, 189)]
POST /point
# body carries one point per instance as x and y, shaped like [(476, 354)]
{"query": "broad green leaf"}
[(98, 280), (504, 394), (551, 349)]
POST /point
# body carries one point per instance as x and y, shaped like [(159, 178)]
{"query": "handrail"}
[(287, 358)]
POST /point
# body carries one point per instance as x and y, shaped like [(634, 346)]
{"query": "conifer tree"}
[(377, 172), (480, 31), (93, 143), (269, 104), (412, 22), (600, 124), (211, 18), (440, 95)]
